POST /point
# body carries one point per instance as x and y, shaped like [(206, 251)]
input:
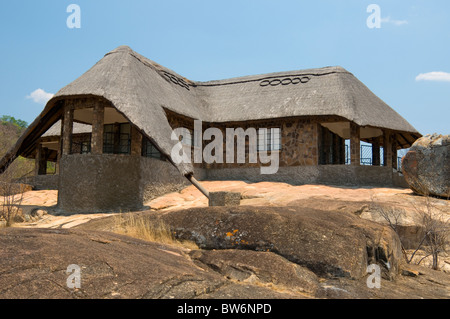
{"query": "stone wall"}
[(99, 183), (102, 183), (159, 178), (341, 175), (299, 142), (42, 182), (299, 139), (45, 182)]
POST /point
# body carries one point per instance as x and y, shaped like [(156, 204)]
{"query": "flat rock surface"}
[(34, 265)]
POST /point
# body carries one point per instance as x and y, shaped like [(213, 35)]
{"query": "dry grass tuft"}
[(138, 226)]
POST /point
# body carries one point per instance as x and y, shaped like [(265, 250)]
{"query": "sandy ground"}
[(257, 194)]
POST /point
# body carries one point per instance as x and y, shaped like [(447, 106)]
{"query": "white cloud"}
[(434, 76), (40, 96), (393, 21)]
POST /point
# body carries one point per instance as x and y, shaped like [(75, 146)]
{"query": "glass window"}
[(86, 147), (269, 139), (150, 150), (81, 144), (117, 138)]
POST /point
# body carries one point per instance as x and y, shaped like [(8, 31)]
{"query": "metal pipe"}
[(199, 186)]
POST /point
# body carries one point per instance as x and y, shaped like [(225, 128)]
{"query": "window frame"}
[(110, 146), (154, 152), (269, 139)]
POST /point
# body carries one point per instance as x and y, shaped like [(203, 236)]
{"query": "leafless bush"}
[(11, 190), (390, 214), (435, 231), (12, 195), (435, 228), (393, 218)]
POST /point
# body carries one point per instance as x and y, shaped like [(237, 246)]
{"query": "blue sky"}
[(207, 40)]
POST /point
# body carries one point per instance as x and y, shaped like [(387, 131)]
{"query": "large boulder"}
[(329, 244), (34, 264), (258, 267), (426, 166)]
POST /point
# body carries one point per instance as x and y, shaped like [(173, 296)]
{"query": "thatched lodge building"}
[(109, 131)]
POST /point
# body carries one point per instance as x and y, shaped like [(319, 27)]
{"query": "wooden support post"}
[(98, 120), (355, 144)]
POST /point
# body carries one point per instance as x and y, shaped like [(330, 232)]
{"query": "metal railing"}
[(366, 156)]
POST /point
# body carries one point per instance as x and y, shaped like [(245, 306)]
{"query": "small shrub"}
[(144, 228), (435, 229)]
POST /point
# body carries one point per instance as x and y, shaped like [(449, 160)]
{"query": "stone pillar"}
[(136, 142), (355, 144), (376, 151), (43, 161), (341, 151), (98, 120), (67, 129), (337, 149), (315, 148), (37, 159), (394, 152), (224, 199), (387, 148), (58, 156), (40, 164)]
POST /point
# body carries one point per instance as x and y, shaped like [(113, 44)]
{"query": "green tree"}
[(7, 119)]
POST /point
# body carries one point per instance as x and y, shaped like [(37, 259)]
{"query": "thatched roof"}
[(324, 91), (141, 90), (78, 128)]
